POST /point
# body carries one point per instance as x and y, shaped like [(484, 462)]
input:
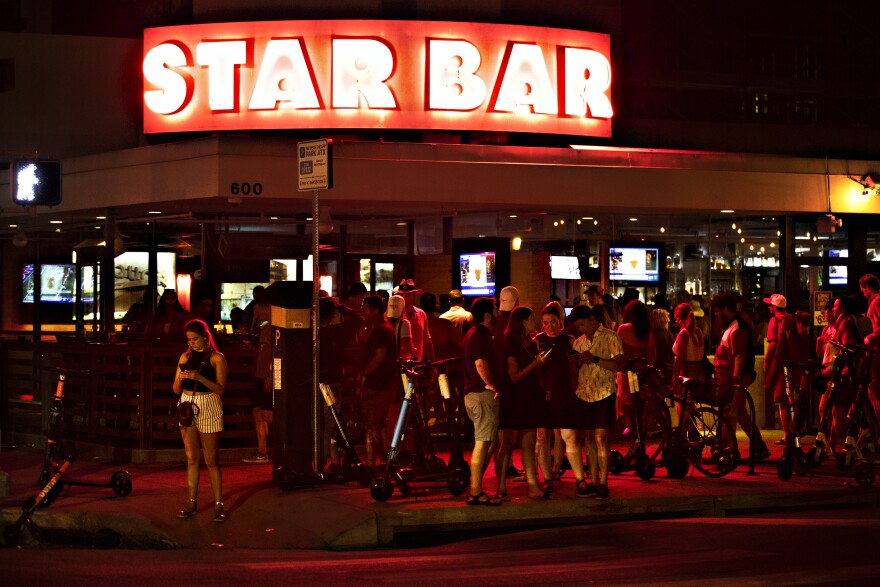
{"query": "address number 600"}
[(246, 188)]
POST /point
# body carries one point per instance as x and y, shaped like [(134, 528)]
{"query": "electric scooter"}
[(120, 481), (456, 478), (352, 467), (104, 538), (636, 456), (793, 458)]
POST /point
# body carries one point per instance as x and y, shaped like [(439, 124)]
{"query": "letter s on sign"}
[(175, 87)]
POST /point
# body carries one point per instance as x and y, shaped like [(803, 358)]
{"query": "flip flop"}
[(482, 499)]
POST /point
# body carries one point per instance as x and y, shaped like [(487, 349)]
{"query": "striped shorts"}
[(210, 414)]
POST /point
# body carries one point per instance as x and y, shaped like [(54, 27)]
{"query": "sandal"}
[(482, 499), (187, 511), (545, 495), (219, 514), (503, 496)]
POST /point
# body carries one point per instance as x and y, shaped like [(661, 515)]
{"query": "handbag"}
[(186, 411)]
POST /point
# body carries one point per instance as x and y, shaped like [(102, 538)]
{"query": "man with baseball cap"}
[(781, 347)]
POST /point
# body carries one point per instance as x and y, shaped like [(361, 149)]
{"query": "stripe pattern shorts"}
[(209, 418)]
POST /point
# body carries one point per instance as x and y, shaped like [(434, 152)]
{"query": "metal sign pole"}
[(316, 342), (315, 173)]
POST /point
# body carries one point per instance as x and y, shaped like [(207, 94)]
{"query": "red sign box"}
[(376, 74)]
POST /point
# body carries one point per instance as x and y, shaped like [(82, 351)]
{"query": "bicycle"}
[(703, 437)]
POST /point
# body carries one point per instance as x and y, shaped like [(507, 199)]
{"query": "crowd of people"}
[(552, 382)]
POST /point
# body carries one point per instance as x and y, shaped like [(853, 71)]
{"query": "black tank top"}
[(201, 362)]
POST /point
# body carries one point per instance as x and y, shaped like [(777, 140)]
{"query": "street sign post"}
[(315, 173)]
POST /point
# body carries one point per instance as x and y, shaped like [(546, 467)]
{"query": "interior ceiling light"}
[(727, 211)]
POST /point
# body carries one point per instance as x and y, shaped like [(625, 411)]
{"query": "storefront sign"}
[(820, 299), (376, 74)]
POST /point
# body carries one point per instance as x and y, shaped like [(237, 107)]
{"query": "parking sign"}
[(315, 165)]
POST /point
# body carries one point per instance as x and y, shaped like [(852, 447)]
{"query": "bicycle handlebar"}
[(852, 347), (422, 366)]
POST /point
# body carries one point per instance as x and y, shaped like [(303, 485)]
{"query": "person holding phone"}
[(201, 379)]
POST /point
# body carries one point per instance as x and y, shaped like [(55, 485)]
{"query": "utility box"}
[(292, 376)]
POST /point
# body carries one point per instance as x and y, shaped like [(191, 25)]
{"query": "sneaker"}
[(585, 489), (602, 492), (257, 458)]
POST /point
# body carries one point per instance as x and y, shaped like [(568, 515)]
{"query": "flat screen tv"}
[(634, 264), (57, 283), (837, 274), (562, 267), (477, 273)]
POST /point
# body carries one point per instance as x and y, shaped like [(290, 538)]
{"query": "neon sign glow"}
[(376, 74)]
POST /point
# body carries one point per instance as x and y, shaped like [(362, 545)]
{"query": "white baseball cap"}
[(508, 299), (395, 306), (777, 300)]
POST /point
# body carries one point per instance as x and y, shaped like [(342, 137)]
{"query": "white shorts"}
[(209, 418)]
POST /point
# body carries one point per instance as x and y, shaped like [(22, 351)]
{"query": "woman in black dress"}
[(557, 378), (524, 408)]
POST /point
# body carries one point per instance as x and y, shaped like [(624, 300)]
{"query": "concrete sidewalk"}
[(344, 516)]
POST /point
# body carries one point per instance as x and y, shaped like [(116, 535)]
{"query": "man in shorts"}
[(481, 395), (377, 376), (600, 356)]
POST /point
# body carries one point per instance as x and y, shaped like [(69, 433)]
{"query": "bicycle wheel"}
[(709, 441)]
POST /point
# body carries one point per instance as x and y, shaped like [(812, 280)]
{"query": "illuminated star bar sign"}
[(377, 74)]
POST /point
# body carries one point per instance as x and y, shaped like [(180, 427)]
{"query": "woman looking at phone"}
[(201, 378)]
